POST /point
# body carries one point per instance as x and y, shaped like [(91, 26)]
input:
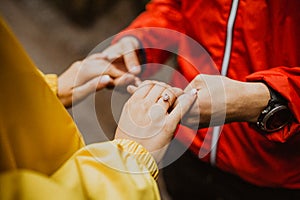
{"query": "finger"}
[(103, 81), (143, 89), (193, 91), (198, 82), (131, 89), (96, 56), (155, 93), (185, 101), (132, 62), (112, 52), (174, 93), (119, 49), (93, 68), (137, 81), (189, 87), (90, 87), (167, 99), (97, 66), (114, 72), (125, 79), (178, 92)]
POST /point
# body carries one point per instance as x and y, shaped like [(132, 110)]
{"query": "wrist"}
[(257, 98), (157, 152), (250, 98), (139, 153), (64, 95)]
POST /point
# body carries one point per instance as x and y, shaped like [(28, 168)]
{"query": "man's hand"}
[(123, 55), (222, 100)]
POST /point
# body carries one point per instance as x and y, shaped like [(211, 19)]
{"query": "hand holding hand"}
[(87, 76), (147, 118), (222, 100)]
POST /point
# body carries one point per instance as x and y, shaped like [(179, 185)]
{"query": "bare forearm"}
[(224, 100), (245, 101)]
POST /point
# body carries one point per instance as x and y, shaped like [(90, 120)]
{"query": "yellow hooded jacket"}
[(43, 155)]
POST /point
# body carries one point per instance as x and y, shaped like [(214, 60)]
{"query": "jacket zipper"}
[(217, 130)]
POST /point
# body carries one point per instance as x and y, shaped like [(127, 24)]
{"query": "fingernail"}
[(194, 92), (130, 88), (135, 69), (105, 79)]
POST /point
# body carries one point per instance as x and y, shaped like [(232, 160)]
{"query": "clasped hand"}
[(150, 116), (220, 99)]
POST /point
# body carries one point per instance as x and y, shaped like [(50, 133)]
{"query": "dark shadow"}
[(85, 12)]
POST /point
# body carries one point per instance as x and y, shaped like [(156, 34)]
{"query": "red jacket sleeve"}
[(286, 81), (151, 29)]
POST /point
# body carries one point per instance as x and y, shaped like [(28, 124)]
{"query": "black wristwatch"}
[(276, 115)]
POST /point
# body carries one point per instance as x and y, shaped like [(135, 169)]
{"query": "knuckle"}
[(147, 103), (163, 84), (147, 82)]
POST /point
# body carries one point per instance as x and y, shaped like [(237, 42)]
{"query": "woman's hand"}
[(149, 117), (87, 76)]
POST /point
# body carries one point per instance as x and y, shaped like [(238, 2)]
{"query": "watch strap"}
[(275, 104)]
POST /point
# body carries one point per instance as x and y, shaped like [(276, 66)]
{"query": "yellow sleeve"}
[(26, 184), (39, 143), (36, 131), (140, 153), (51, 80), (120, 169)]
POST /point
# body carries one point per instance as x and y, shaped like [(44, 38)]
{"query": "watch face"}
[(277, 118)]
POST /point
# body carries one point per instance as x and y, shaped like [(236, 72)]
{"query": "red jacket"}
[(265, 47)]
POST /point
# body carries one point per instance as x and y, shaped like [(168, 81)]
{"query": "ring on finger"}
[(165, 97)]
